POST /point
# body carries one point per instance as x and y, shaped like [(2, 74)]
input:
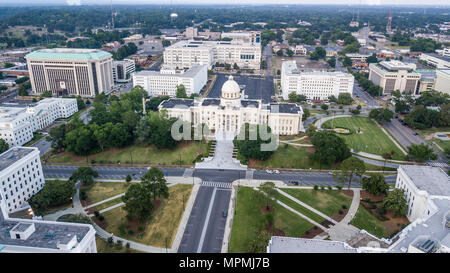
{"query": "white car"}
[(276, 171), (269, 171)]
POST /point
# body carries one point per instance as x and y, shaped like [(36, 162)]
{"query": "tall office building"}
[(394, 75), (315, 85), (122, 70), (70, 71)]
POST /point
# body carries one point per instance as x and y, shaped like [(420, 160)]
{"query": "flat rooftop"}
[(300, 245), (191, 72), (437, 56), (68, 54), (13, 155), (290, 68), (430, 179)]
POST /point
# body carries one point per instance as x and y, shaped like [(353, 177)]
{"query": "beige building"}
[(229, 113), (443, 80), (70, 71), (394, 75)]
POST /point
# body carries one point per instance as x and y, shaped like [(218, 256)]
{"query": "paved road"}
[(205, 228), (43, 145)]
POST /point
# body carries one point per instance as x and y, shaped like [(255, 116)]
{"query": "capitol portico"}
[(230, 112)]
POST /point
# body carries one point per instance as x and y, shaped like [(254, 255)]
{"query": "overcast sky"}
[(175, 2)]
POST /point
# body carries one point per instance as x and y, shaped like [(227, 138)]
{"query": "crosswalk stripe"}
[(217, 184)]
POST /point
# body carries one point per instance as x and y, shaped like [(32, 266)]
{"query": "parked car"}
[(415, 133), (294, 182), (225, 213), (269, 171), (276, 171)]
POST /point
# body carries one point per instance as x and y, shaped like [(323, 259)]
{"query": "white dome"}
[(230, 89)]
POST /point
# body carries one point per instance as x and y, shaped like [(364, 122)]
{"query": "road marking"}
[(205, 226)]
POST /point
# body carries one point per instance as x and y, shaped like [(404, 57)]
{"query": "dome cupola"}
[(231, 90)]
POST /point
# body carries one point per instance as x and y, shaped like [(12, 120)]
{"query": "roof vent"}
[(22, 231), (428, 246)]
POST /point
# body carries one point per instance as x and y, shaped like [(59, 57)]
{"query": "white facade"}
[(229, 113), (83, 72), (249, 37), (17, 123), (165, 82), (394, 75), (317, 85), (358, 57), (420, 184), (21, 176), (443, 80), (122, 70), (436, 60), (191, 32), (185, 54)]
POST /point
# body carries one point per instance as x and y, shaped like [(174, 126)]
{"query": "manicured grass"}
[(328, 202), (442, 143), (103, 247), (248, 221), (136, 154), (364, 220), (371, 139), (311, 215), (290, 157), (101, 190), (163, 223), (434, 130)]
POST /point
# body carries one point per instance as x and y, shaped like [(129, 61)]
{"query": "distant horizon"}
[(363, 3)]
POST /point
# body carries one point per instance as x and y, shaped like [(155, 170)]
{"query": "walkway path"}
[(105, 200), (353, 207), (343, 231), (307, 206)]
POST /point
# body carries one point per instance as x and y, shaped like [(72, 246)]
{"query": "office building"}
[(122, 70), (443, 80), (185, 54), (18, 122), (436, 60), (70, 71), (394, 75), (315, 85), (166, 81)]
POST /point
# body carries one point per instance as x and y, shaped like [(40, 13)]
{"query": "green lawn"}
[(101, 190), (434, 130), (290, 157), (108, 204), (163, 223), (311, 215), (442, 143), (248, 221), (364, 220), (328, 202), (137, 154), (371, 139)]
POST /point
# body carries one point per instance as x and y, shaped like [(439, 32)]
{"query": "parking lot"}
[(256, 87)]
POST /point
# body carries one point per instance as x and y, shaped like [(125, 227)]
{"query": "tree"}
[(181, 91), (347, 62), (350, 167), (54, 193), (324, 107), (259, 244), (235, 66), (395, 201), (280, 52), (80, 103), (4, 146), (57, 136), (375, 184), (372, 59), (387, 156), (329, 148), (421, 152), (289, 52), (269, 189), (379, 114), (128, 178), (138, 201), (332, 61), (155, 182), (345, 98), (166, 43), (85, 175), (252, 148)]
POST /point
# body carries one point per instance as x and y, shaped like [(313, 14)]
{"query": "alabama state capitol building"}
[(230, 112)]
